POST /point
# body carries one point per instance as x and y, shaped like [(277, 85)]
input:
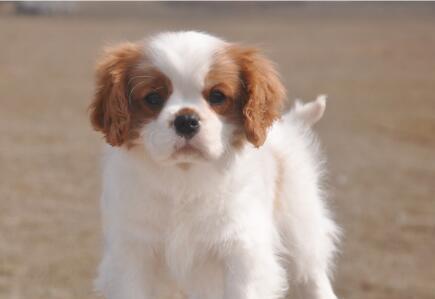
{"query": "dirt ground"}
[(375, 61)]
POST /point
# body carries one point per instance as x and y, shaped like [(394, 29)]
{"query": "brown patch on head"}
[(123, 79), (224, 76), (253, 90), (143, 81)]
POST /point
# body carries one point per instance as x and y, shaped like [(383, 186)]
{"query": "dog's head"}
[(185, 97)]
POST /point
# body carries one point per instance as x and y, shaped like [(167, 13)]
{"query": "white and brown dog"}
[(208, 191)]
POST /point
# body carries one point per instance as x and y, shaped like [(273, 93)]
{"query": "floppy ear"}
[(263, 93), (110, 109)]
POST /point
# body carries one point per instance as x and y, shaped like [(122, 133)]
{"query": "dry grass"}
[(376, 63)]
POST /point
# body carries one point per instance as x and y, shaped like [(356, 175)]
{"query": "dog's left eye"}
[(216, 97), (153, 99)]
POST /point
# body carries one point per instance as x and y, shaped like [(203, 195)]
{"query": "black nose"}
[(186, 125)]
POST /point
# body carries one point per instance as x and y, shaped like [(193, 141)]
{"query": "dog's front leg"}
[(253, 273), (125, 274), (316, 287)]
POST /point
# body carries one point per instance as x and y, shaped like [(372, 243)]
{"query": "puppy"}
[(209, 192)]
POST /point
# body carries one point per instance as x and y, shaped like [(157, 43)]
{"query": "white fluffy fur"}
[(214, 231)]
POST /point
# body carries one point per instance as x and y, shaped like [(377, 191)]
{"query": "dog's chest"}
[(195, 234), (183, 221), (186, 235)]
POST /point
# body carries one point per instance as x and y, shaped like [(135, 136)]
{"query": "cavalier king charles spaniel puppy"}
[(209, 190)]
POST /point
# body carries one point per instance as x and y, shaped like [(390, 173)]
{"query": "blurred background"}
[(376, 61)]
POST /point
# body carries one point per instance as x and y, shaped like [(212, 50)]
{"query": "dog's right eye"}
[(153, 100)]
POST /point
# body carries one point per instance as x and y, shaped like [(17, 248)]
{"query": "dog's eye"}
[(153, 99), (216, 97)]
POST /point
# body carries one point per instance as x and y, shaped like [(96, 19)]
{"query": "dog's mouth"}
[(187, 152)]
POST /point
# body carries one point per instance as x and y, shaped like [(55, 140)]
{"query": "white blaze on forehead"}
[(184, 57)]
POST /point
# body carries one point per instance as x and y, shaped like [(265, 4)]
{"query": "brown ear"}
[(110, 108), (263, 93)]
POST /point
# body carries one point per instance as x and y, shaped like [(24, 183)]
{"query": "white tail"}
[(311, 112)]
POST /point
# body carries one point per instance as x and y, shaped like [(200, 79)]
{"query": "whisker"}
[(131, 92), (242, 83), (136, 77)]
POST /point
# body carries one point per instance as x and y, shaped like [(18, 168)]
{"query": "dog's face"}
[(185, 97)]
